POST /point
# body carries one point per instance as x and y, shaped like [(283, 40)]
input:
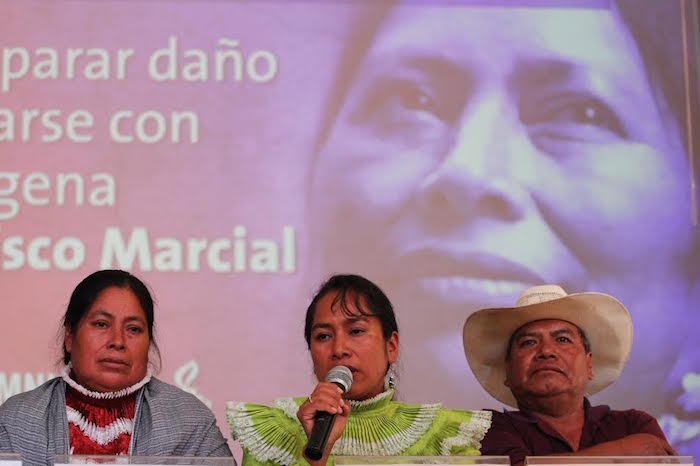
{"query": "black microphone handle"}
[(323, 424)]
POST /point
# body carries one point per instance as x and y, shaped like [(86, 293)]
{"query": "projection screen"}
[(234, 154)]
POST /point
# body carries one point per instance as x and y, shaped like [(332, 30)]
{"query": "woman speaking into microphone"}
[(351, 326)]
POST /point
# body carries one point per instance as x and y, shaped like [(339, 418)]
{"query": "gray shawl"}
[(167, 422)]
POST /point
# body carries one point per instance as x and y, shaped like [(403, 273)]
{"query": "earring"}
[(389, 379)]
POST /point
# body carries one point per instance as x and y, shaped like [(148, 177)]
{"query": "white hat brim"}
[(605, 321)]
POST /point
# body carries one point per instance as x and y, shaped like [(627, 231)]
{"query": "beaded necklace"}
[(100, 423)]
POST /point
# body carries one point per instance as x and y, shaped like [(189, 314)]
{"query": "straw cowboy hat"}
[(603, 319)]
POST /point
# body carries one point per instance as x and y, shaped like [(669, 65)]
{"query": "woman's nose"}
[(117, 339), (479, 174), (340, 348)]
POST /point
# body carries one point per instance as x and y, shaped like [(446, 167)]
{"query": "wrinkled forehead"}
[(117, 301), (546, 326), (498, 37)]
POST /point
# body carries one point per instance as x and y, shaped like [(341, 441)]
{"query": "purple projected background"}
[(234, 154)]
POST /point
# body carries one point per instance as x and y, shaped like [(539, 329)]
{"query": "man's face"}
[(547, 359), (484, 150)]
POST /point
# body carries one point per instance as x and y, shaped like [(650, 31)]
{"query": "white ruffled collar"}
[(385, 396), (65, 375)]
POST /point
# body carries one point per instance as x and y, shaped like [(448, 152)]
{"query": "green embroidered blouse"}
[(377, 427)]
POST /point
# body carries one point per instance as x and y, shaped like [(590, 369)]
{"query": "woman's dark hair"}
[(87, 291), (657, 30), (367, 298)]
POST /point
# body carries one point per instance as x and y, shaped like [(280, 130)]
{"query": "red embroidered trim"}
[(102, 414)]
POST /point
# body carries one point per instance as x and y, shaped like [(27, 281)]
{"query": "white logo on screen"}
[(184, 378), (12, 383)]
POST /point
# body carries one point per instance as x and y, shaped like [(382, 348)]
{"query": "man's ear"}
[(589, 366), (506, 382)]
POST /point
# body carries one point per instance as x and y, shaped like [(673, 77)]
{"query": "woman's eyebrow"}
[(434, 64), (135, 318), (607, 81), (100, 313), (320, 325), (359, 318)]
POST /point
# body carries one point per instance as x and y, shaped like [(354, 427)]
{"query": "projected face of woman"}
[(486, 150)]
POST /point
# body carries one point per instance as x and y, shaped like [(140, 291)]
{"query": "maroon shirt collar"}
[(593, 415)]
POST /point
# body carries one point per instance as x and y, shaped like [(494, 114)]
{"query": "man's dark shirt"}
[(519, 434)]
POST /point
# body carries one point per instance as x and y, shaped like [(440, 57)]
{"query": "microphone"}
[(323, 421)]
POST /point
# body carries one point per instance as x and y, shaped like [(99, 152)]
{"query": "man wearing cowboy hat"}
[(544, 356)]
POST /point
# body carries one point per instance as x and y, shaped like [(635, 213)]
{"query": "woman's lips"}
[(455, 287), (114, 362), (466, 277)]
